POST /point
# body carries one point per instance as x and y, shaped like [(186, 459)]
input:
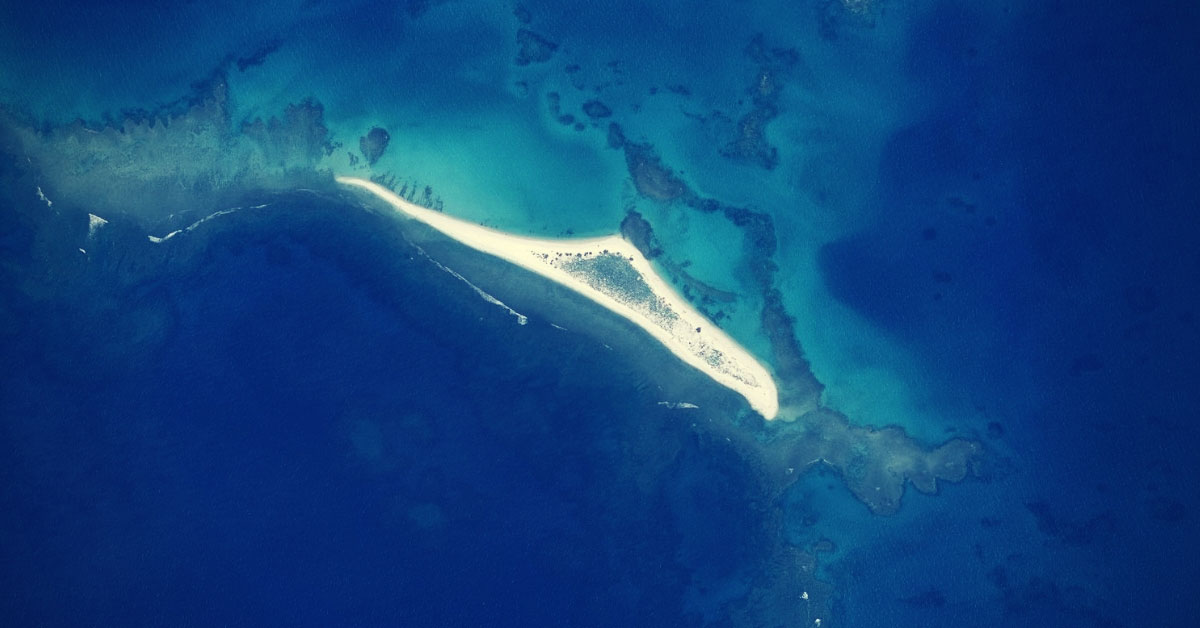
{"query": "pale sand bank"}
[(614, 274)]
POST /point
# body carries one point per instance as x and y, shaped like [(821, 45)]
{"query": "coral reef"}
[(596, 109), (875, 464), (373, 144), (259, 55), (751, 145), (299, 139), (834, 15), (533, 48), (131, 166)]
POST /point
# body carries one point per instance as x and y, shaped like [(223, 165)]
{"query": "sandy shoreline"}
[(599, 269)]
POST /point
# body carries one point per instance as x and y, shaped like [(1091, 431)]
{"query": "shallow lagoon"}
[(1061, 339)]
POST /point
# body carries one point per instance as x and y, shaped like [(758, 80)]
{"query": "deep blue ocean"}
[(985, 225)]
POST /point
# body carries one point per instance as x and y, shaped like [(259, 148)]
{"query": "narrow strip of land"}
[(613, 273)]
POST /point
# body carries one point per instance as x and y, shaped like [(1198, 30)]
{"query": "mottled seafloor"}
[(232, 392)]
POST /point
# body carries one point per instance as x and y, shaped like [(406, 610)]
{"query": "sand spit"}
[(613, 273)]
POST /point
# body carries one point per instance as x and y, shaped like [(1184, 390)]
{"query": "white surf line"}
[(521, 318), (192, 226), (49, 203), (669, 318)]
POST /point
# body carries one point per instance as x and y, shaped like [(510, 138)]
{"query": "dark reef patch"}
[(1040, 601), (596, 109), (1071, 531), (639, 233), (554, 104), (259, 55), (751, 145), (131, 166), (533, 48), (650, 177), (833, 16), (522, 13), (706, 298), (410, 190), (876, 464), (299, 138), (373, 144)]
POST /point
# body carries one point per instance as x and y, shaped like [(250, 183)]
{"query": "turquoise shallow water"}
[(979, 222)]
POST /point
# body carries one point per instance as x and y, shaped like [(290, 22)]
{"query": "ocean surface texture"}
[(962, 235)]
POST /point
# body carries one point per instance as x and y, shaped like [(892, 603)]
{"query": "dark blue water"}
[(1037, 232), (294, 419), (309, 440)]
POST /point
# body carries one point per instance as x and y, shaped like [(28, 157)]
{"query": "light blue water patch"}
[(456, 125), (839, 159), (831, 130), (368, 59), (866, 375), (708, 244), (711, 250), (505, 172)]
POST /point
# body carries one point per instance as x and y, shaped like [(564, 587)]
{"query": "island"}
[(613, 273)]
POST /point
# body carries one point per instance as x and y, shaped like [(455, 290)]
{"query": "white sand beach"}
[(613, 273)]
